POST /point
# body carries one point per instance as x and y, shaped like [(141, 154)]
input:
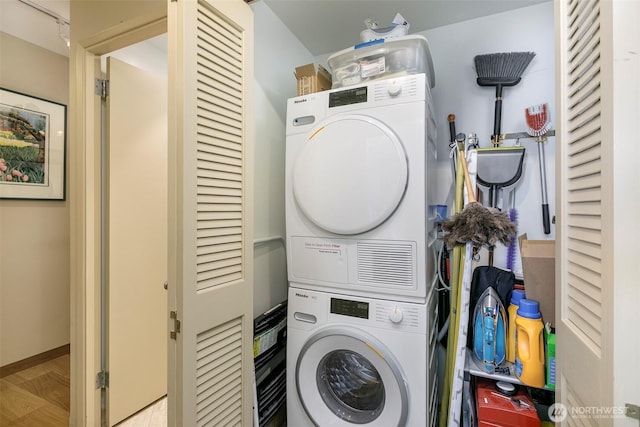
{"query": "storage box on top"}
[(381, 59), (310, 80)]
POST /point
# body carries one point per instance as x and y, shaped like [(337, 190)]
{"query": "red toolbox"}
[(496, 409)]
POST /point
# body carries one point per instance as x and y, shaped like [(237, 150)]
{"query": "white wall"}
[(34, 234), (275, 83)]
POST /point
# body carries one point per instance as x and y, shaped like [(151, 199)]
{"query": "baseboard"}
[(32, 361)]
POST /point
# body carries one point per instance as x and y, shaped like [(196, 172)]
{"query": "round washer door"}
[(345, 378), (351, 174)]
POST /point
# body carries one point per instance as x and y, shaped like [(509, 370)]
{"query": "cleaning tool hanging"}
[(475, 223), (512, 250), (538, 125), (501, 70)]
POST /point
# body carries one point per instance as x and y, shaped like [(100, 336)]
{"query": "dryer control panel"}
[(348, 97)]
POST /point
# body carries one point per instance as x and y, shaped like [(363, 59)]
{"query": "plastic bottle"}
[(516, 296), (529, 364)]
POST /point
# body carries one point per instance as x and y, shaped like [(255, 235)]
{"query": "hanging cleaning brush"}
[(512, 250), (538, 125), (501, 70)]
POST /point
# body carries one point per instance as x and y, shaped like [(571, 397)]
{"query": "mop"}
[(472, 225)]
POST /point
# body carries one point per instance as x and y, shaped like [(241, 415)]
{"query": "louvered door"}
[(210, 212), (585, 236)]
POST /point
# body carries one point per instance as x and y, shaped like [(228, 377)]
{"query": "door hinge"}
[(632, 411), (102, 379), (176, 324), (102, 88)]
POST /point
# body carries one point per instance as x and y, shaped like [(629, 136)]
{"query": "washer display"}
[(355, 361)]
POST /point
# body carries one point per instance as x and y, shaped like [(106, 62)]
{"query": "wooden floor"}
[(37, 396)]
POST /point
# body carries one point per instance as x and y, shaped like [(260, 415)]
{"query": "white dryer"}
[(355, 361), (360, 189)]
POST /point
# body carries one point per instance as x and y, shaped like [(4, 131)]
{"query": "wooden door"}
[(137, 239), (210, 212)]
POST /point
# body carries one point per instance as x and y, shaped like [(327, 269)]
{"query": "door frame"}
[(86, 206)]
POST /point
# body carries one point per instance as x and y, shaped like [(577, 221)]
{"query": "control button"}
[(396, 315), (394, 89)]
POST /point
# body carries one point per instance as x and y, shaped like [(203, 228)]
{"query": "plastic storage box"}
[(380, 59)]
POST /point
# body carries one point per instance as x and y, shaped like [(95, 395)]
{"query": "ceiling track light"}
[(63, 32), (63, 23)]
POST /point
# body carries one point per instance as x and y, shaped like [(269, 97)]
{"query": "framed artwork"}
[(32, 147)]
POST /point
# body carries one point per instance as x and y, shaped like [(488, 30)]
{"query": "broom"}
[(501, 70)]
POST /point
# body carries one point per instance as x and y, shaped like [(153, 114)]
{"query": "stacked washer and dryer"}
[(360, 231)]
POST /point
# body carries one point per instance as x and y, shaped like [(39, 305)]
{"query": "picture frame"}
[(33, 134)]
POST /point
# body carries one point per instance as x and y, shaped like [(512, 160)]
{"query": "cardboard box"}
[(539, 271), (310, 80)]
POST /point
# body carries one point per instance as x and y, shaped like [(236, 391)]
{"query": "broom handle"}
[(497, 116), (467, 180)]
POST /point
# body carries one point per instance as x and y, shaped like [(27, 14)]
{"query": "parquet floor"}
[(37, 396)]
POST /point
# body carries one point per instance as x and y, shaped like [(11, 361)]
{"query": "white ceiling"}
[(327, 26), (323, 26), (25, 22)]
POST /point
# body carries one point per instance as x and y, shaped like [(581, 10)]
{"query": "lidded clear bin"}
[(381, 59)]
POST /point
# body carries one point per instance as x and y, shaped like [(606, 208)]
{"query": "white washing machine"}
[(360, 189), (354, 361)]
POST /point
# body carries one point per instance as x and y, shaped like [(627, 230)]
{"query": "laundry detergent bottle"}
[(516, 296), (529, 363)]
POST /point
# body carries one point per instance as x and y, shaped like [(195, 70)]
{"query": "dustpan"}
[(498, 168)]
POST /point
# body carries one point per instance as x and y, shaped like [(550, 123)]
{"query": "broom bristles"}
[(479, 225), (502, 65)]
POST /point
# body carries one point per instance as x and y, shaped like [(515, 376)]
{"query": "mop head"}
[(480, 225)]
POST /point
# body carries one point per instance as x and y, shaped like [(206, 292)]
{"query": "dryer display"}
[(348, 97)]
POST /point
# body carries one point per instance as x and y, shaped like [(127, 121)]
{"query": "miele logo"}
[(302, 295), (298, 101)]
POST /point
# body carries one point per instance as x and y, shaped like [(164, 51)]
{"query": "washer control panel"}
[(308, 309)]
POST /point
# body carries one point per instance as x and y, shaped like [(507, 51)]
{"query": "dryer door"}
[(351, 174), (346, 378)]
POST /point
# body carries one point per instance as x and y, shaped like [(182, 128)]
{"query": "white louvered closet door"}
[(584, 236), (210, 212)]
